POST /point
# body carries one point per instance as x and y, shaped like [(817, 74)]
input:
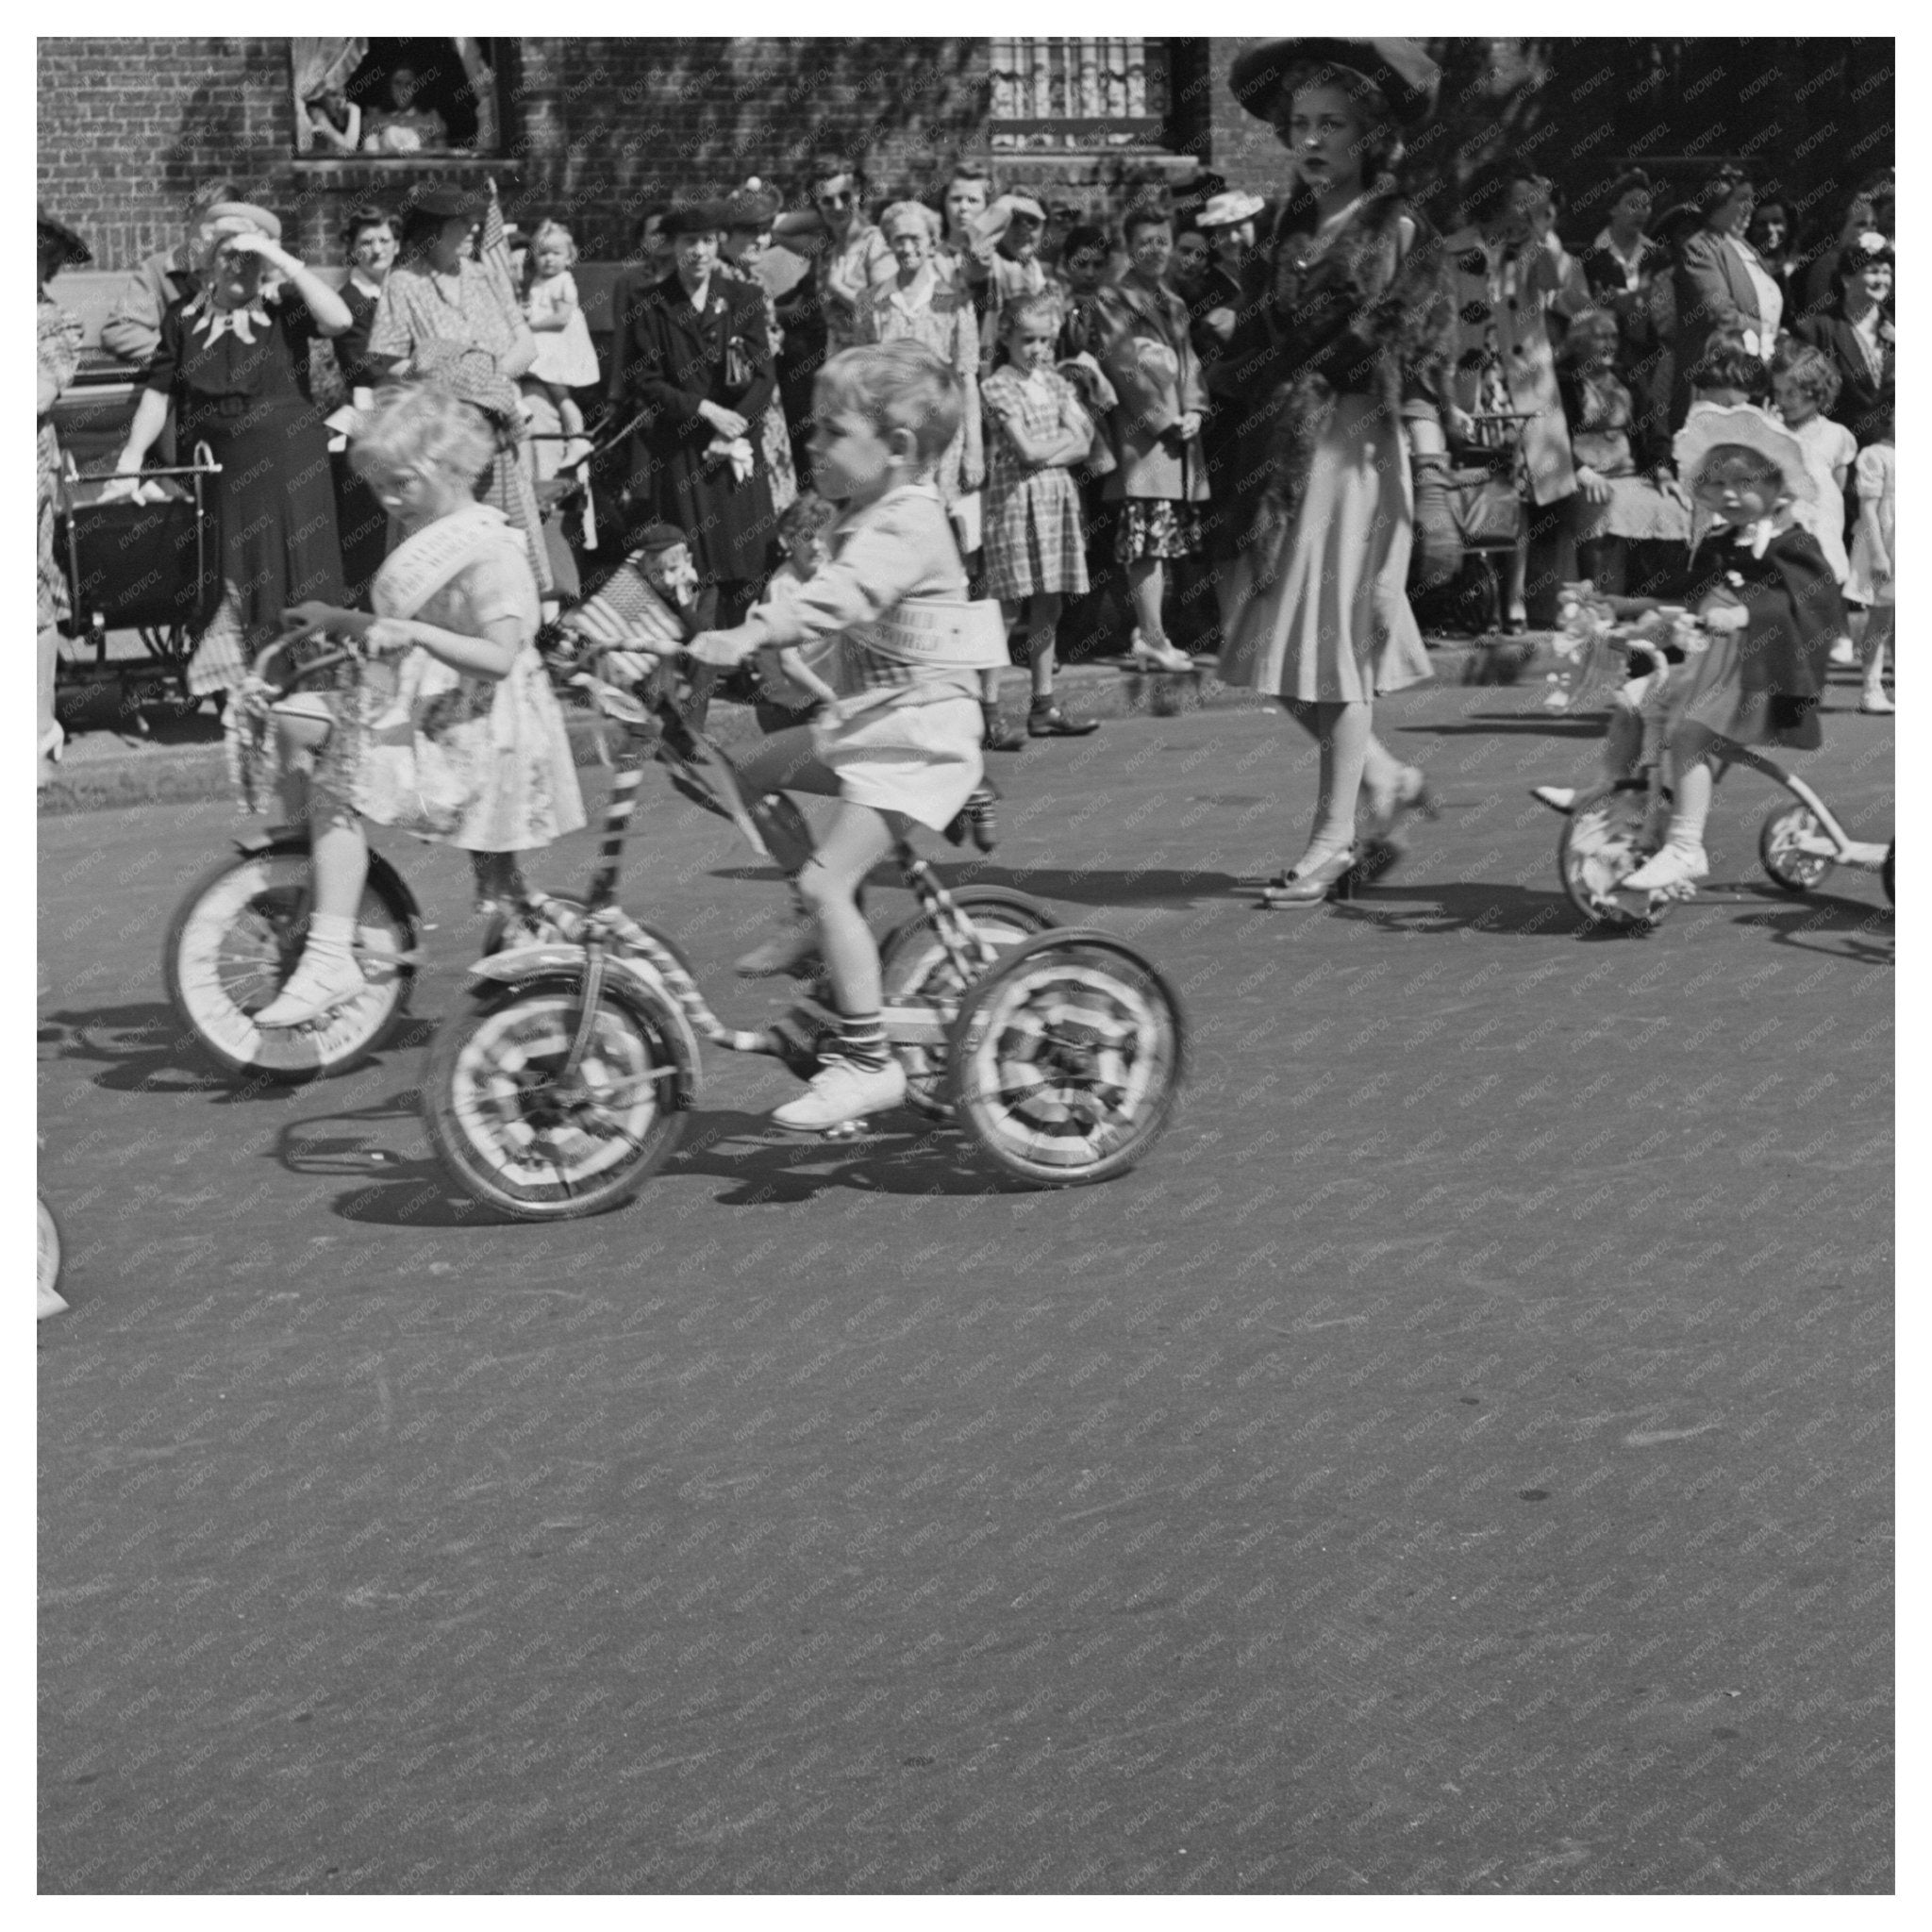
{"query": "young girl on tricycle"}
[(452, 732)]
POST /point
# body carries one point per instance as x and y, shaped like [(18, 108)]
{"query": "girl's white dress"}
[(1873, 580), (564, 356), (1828, 446)]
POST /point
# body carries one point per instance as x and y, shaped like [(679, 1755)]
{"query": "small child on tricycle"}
[(902, 744)]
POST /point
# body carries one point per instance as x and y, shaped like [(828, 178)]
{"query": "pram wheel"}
[(236, 938), (1600, 847), (1788, 849), (527, 1139), (1066, 1060), (915, 966)]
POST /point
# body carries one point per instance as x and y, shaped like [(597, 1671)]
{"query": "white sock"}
[(331, 936)]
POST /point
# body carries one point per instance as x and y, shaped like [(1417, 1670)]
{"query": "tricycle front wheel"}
[(520, 1134)]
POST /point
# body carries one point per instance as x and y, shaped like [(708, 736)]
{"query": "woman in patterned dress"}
[(56, 356), (231, 358), (1347, 315), (446, 318)]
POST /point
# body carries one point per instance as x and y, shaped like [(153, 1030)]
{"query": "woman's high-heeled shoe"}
[(1333, 878), (53, 742)]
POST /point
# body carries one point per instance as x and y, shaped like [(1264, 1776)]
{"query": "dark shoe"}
[(996, 734), (1049, 721), (976, 818)]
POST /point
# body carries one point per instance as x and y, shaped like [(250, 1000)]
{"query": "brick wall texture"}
[(597, 128)]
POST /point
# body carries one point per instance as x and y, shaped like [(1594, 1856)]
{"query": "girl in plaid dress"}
[(1035, 550)]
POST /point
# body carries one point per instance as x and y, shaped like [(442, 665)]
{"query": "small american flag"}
[(492, 251)]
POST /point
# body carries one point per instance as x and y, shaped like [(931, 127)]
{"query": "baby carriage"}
[(150, 564)]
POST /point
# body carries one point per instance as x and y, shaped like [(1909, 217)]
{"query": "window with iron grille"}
[(1079, 96)]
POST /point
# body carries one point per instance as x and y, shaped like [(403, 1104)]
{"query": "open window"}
[(396, 99), (1078, 96)]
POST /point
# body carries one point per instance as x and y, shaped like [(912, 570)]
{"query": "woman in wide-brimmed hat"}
[(441, 307), (56, 357), (1344, 321), (232, 357)]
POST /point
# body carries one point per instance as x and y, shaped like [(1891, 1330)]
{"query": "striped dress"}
[(1034, 542)]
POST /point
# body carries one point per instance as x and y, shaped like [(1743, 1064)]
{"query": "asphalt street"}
[(1459, 1460)]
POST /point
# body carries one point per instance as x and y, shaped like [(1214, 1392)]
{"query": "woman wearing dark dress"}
[(228, 358), (369, 237), (697, 357), (1857, 333)]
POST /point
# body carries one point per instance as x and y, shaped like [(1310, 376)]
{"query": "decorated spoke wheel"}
[(533, 1141), (236, 938), (1794, 849), (1067, 1061), (914, 966), (1601, 846)]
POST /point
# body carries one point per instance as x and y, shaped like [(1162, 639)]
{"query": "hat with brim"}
[(694, 218), (1228, 210), (73, 251), (242, 217), (1745, 426), (1405, 76), (444, 205), (995, 223)]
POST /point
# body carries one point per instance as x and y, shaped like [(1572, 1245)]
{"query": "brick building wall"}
[(596, 126)]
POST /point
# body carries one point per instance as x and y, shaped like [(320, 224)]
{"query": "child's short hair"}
[(654, 540), (1144, 214), (806, 515), (559, 230), (421, 425), (1728, 364), (915, 212), (1813, 371), (1083, 239), (899, 385), (1041, 307)]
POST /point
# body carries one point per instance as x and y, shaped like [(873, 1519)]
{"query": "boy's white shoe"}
[(1561, 798), (1843, 653), (322, 982), (1677, 864), (841, 1091)]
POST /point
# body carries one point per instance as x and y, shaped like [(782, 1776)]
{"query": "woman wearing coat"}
[(697, 359), (1507, 271), (1722, 288)]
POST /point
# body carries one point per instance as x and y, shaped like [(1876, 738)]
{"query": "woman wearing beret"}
[(697, 359), (231, 357), (1343, 319), (447, 317), (56, 357)]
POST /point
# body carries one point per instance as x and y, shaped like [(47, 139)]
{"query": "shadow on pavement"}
[(145, 1049), (907, 1155)]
